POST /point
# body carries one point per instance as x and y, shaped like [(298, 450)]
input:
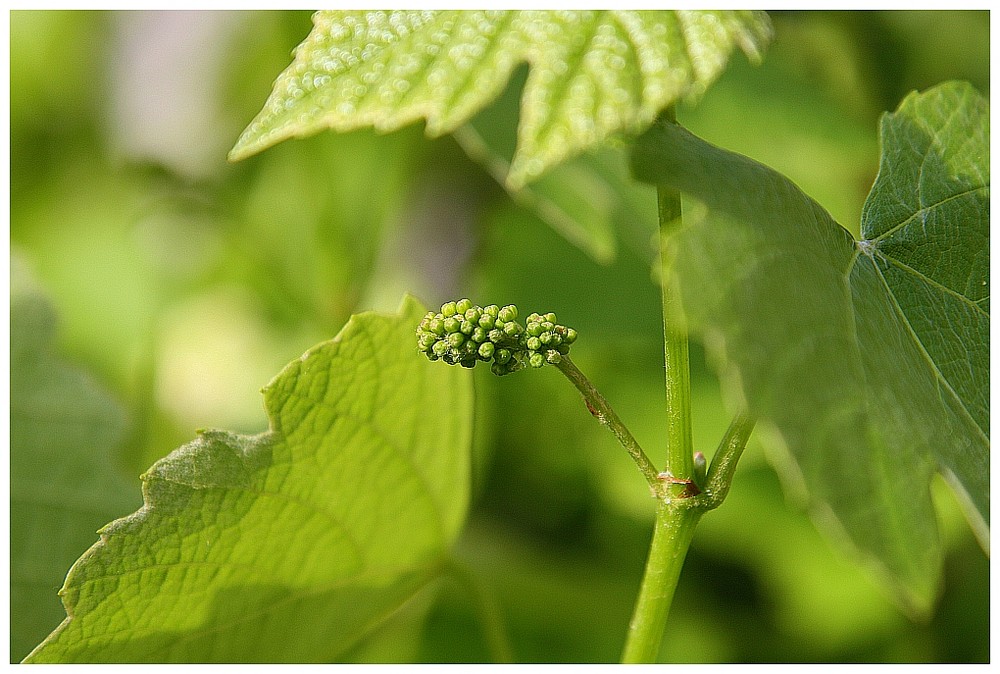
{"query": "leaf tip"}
[(409, 305), (243, 149)]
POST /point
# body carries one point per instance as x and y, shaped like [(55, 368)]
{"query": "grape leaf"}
[(867, 361), (593, 73), (577, 208), (291, 545), (63, 480), (585, 199)]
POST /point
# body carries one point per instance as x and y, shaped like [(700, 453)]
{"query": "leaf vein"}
[(421, 480), (926, 356), (935, 284), (923, 211)]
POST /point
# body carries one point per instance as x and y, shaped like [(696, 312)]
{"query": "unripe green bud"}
[(508, 313), (700, 467), (426, 341), (464, 333)]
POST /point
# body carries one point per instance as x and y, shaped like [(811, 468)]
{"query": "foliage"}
[(869, 358), (340, 512), (62, 425), (151, 267), (593, 73)]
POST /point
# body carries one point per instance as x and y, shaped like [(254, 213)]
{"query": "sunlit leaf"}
[(867, 361), (295, 544), (592, 73)]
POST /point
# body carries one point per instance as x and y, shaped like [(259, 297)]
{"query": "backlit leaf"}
[(592, 73), (867, 361)]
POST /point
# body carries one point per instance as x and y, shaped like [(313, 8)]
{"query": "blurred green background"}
[(181, 284)]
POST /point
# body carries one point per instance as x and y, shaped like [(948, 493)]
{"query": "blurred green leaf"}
[(585, 199), (867, 361), (578, 208), (64, 483), (593, 74), (291, 545)]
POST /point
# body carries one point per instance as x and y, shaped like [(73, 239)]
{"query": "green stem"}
[(675, 517), (602, 411), (720, 474), (675, 340), (671, 537), (675, 523), (674, 528)]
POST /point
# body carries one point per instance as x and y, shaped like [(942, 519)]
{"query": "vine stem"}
[(680, 451), (602, 411), (676, 516), (679, 508), (675, 521), (672, 534), (720, 474)]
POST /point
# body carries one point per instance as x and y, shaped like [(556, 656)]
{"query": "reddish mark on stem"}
[(690, 488), (590, 407), (690, 491)]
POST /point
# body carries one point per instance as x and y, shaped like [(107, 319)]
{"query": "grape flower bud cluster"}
[(463, 333)]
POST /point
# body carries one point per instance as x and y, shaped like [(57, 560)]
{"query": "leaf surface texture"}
[(867, 361), (294, 544), (592, 73)]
